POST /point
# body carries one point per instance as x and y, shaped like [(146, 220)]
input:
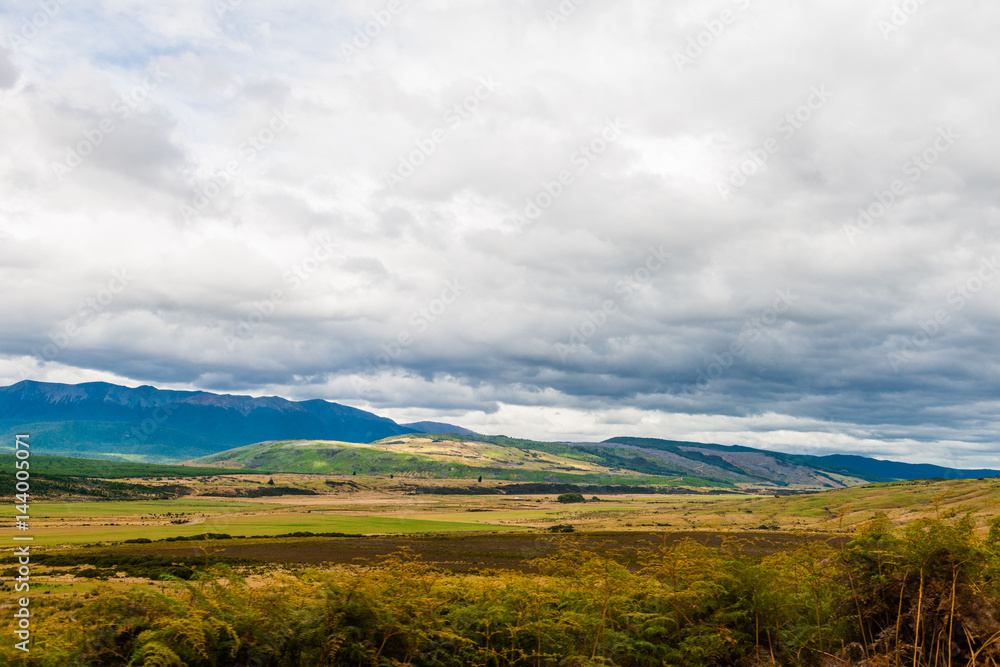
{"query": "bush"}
[(562, 528), (929, 594), (571, 498)]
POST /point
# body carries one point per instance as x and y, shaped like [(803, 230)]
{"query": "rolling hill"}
[(440, 456), (619, 460)]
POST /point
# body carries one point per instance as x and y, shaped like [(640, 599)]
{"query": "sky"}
[(744, 222)]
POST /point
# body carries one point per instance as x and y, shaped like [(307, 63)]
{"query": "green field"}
[(98, 510), (64, 523), (79, 467)]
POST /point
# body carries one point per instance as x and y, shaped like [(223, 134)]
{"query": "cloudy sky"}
[(737, 221)]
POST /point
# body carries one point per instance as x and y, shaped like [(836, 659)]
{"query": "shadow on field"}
[(463, 552)]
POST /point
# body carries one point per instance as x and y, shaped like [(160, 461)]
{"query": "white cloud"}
[(822, 368)]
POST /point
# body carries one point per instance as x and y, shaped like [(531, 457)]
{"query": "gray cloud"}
[(8, 70), (638, 300)]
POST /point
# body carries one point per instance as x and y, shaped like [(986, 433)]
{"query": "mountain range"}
[(101, 420), (144, 423)]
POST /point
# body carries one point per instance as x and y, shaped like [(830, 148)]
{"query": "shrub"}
[(561, 528)]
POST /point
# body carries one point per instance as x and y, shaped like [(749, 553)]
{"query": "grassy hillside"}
[(68, 466), (447, 456), (113, 440), (621, 461), (902, 502), (664, 457), (615, 460)]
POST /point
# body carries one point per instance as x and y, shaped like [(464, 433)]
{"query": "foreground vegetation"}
[(924, 595)]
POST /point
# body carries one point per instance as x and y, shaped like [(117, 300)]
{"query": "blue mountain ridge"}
[(147, 423)]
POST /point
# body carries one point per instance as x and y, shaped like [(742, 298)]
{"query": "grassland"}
[(763, 554), (393, 508), (349, 504)]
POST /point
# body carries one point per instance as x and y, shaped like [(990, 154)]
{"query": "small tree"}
[(571, 498)]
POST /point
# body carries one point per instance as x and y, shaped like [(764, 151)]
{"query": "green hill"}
[(498, 457), (447, 456), (55, 466)]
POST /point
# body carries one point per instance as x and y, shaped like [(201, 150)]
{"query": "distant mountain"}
[(747, 463), (102, 420), (893, 470), (438, 427)]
